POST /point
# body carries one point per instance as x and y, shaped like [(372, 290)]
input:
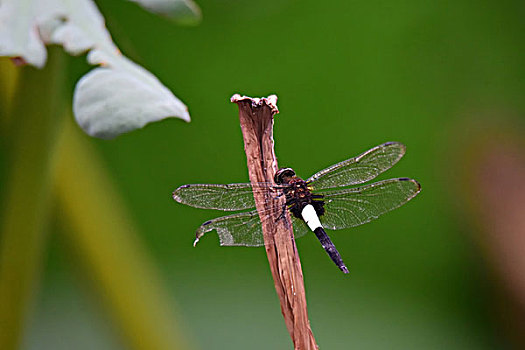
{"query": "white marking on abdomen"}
[(310, 217)]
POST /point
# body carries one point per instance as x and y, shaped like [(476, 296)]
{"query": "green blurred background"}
[(445, 78)]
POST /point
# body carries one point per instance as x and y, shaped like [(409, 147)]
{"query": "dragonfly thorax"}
[(298, 195)]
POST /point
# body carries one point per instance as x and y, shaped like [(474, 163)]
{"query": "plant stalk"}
[(36, 118), (104, 241), (256, 118)]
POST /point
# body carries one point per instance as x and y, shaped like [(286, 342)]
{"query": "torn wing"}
[(359, 169), (356, 206), (243, 229)]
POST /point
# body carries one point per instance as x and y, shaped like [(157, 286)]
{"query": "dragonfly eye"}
[(283, 175)]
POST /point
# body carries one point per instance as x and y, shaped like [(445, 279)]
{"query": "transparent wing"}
[(299, 227), (356, 206), (360, 169), (229, 197), (243, 229)]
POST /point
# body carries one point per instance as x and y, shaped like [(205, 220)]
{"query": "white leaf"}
[(181, 11), (108, 101)]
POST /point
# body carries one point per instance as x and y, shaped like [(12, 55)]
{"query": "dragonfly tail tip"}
[(195, 242)]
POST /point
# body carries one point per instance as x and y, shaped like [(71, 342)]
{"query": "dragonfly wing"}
[(242, 229), (360, 169), (299, 227), (230, 197), (356, 206)]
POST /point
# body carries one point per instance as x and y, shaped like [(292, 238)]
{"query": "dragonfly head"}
[(283, 176)]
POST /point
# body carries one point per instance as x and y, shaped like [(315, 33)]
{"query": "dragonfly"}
[(326, 200)]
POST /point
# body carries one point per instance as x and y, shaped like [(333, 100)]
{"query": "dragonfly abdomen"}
[(309, 216), (329, 247)]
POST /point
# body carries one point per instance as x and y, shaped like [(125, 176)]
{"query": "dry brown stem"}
[(256, 118)]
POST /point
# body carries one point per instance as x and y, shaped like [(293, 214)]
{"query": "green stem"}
[(103, 237), (36, 117), (8, 79)]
